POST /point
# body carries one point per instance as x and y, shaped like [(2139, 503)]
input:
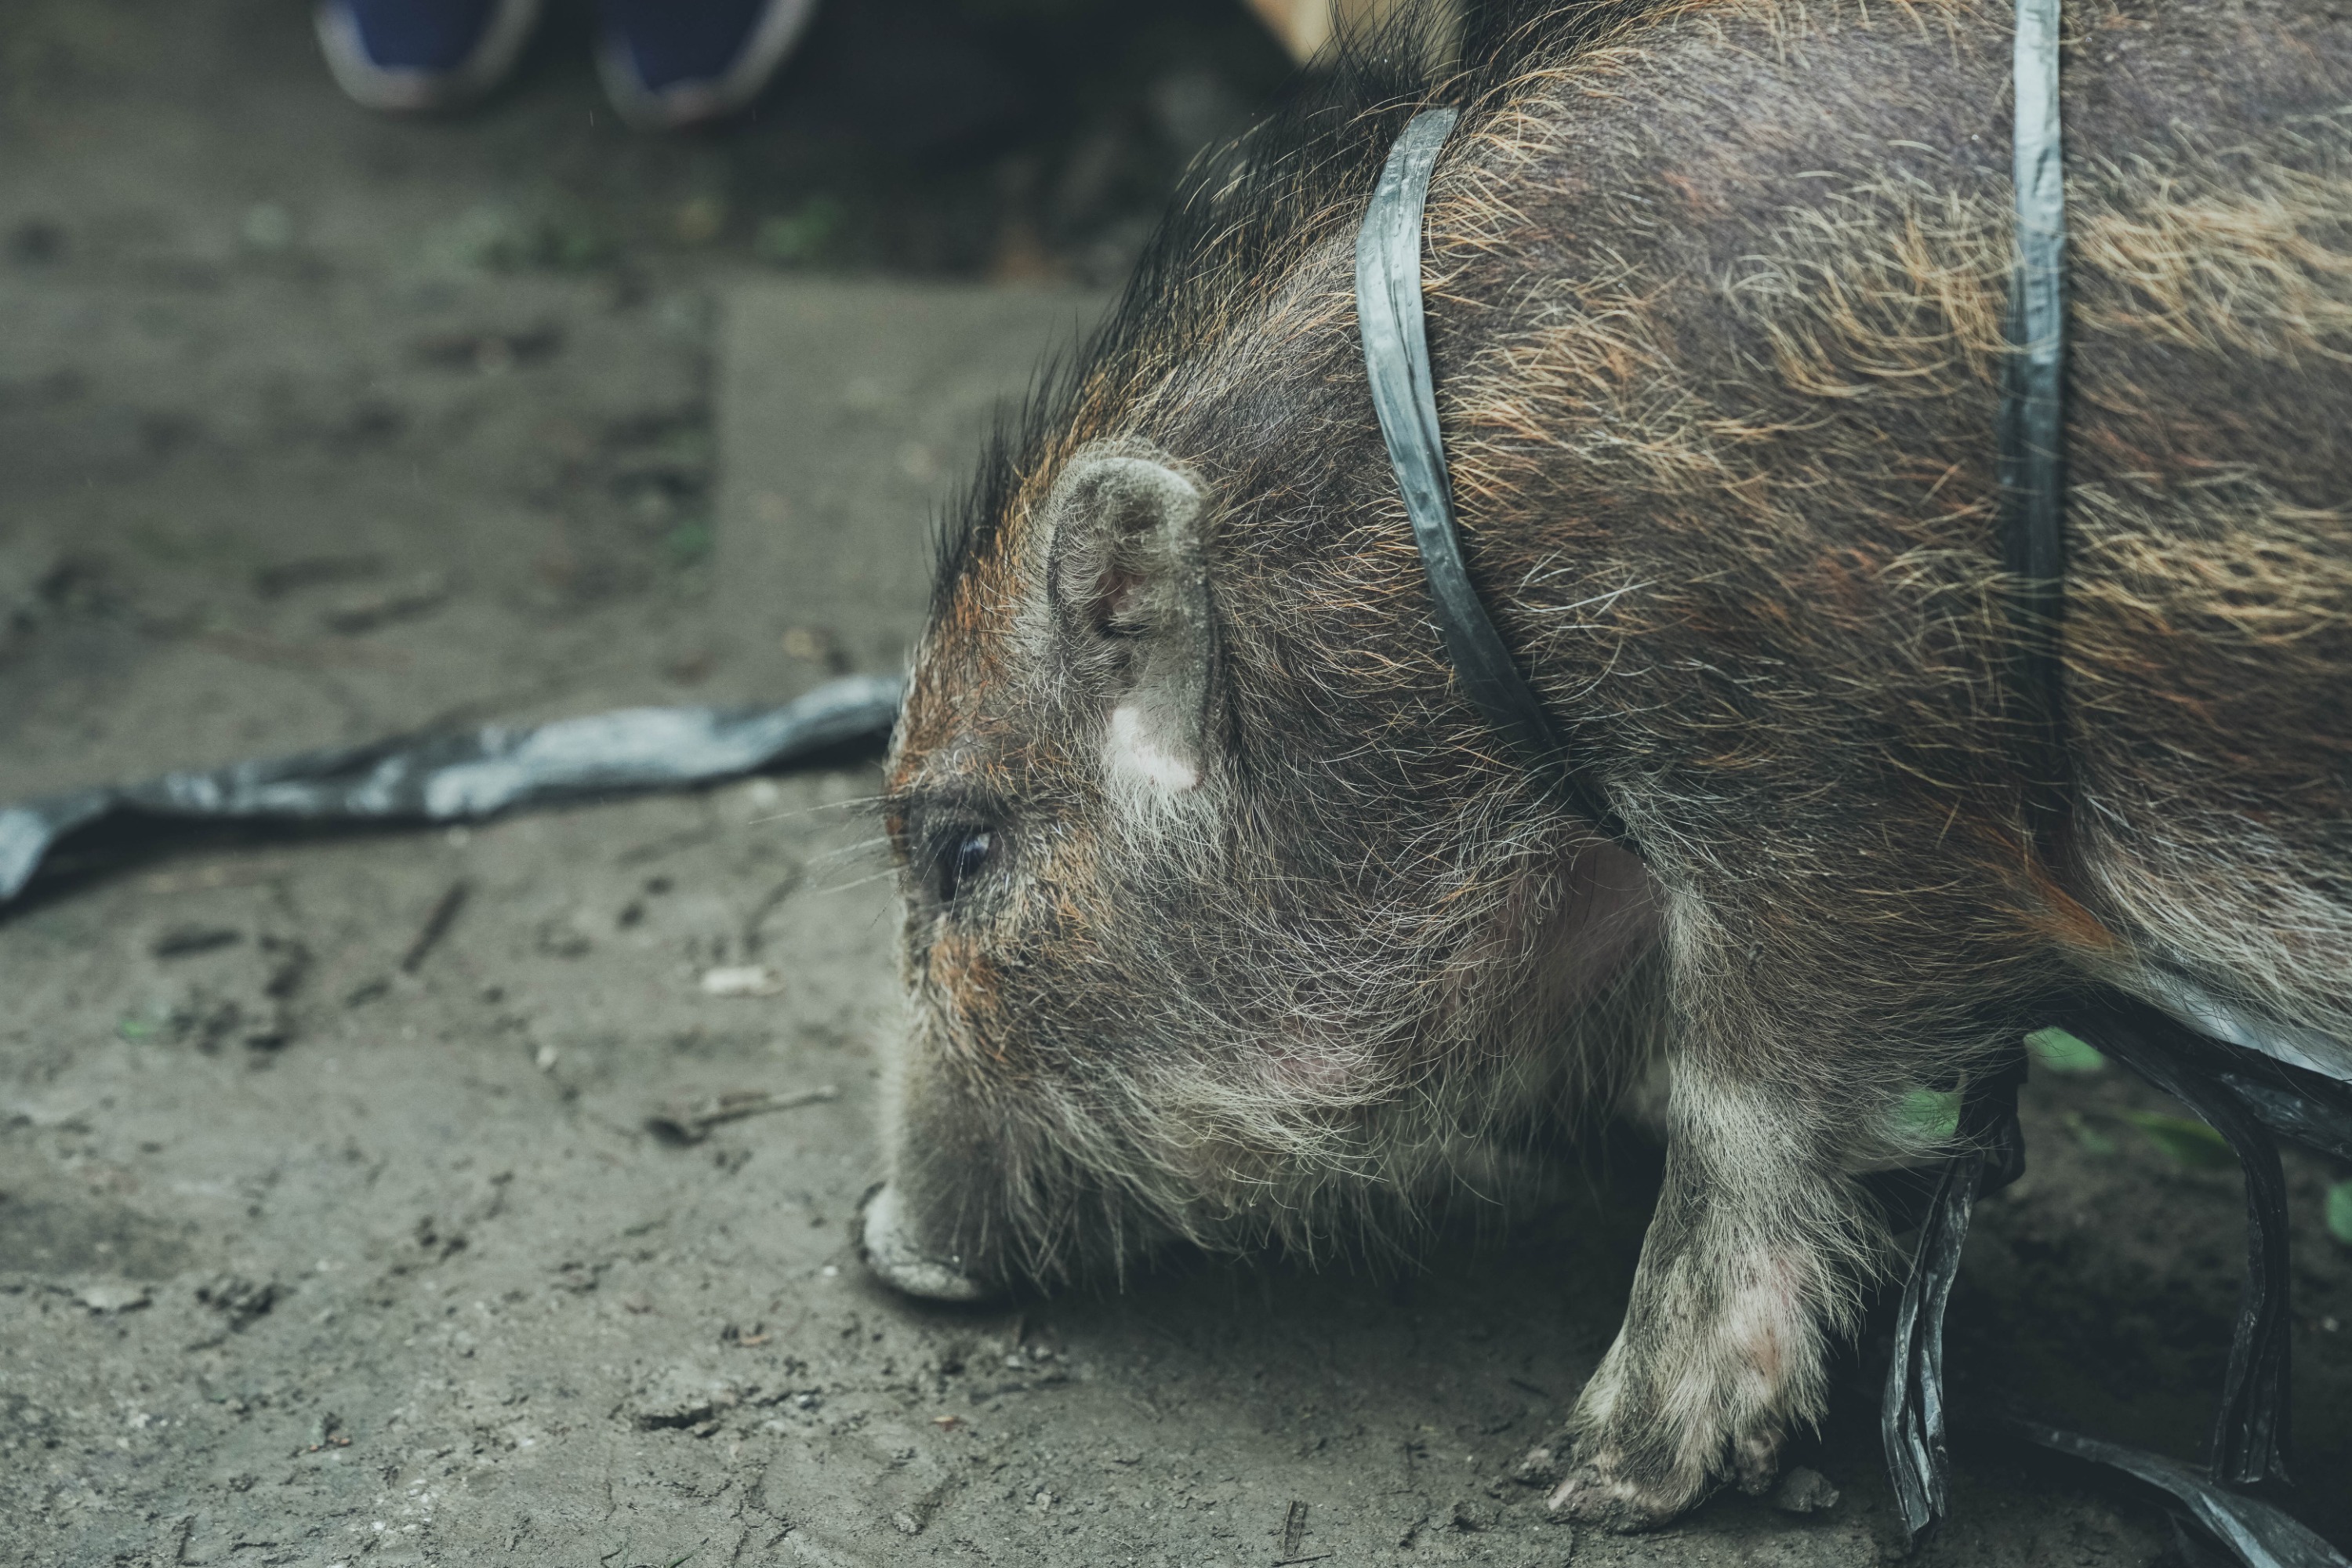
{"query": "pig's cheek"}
[(963, 985)]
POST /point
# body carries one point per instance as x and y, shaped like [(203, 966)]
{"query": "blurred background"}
[(326, 392), (319, 422)]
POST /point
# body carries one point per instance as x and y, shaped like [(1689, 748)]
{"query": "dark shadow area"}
[(1024, 140)]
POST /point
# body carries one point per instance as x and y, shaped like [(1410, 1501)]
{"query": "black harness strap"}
[(2032, 476), (1913, 1417), (2251, 1440), (2251, 1435), (1396, 360), (2032, 428)]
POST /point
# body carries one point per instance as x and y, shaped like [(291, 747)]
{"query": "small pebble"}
[(113, 1296), (742, 980), (1804, 1491)]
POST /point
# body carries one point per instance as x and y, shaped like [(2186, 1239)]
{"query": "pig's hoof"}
[(889, 1249), (1755, 1462), (1540, 1466), (1593, 1495)]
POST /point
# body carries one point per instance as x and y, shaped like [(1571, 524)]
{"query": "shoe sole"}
[(686, 103), (398, 91)]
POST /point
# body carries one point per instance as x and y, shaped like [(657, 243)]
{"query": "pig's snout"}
[(889, 1244)]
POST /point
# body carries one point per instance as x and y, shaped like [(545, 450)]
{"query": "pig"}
[(1229, 921)]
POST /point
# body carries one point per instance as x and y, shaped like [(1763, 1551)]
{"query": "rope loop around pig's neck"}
[(2032, 445), (1396, 360)]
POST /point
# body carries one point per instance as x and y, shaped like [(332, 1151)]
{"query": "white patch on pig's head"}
[(1127, 585), (1135, 756)]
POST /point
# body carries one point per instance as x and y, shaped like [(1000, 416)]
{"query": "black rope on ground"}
[(1914, 1422), (2252, 1432)]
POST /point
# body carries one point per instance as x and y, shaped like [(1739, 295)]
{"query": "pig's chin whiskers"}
[(844, 853), (861, 803), (827, 889), (866, 853)]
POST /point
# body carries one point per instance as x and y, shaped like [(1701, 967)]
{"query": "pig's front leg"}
[(1749, 1264)]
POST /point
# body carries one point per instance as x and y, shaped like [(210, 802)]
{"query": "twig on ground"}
[(436, 925), (1293, 1530), (691, 1122)]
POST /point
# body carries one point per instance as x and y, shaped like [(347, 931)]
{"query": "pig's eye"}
[(964, 856)]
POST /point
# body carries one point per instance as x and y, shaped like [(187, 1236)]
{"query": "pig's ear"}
[(1129, 587)]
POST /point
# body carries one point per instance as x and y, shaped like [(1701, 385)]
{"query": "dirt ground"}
[(322, 1244)]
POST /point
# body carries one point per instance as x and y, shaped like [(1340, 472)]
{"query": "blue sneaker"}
[(409, 56), (672, 63)]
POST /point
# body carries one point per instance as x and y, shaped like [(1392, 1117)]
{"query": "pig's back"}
[(1719, 320)]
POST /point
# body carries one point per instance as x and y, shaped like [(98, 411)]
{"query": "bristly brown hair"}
[(1248, 209)]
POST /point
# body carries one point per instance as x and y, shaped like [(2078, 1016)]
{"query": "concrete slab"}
[(848, 414)]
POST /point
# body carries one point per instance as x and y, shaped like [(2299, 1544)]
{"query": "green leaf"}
[(2339, 1212), (2092, 1140), (1929, 1113), (2189, 1143), (799, 235), (2061, 1052), (134, 1028)]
